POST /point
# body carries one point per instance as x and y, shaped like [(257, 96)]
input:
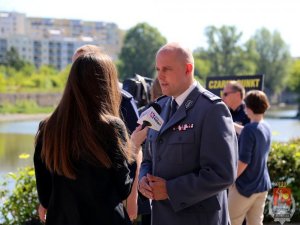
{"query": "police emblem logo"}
[(282, 204), (188, 104)]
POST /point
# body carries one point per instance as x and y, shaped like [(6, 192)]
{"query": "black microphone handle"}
[(146, 124)]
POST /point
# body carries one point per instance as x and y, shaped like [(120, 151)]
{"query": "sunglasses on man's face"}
[(225, 94)]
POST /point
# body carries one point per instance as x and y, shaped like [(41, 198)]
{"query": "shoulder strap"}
[(212, 97), (126, 94), (161, 97)]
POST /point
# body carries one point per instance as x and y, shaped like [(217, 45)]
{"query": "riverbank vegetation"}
[(20, 204), (264, 53), (30, 79), (24, 107)]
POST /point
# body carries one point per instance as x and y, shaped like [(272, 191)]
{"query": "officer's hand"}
[(158, 186), (145, 188)]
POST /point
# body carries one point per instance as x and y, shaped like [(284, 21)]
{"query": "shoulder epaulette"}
[(161, 97), (126, 94), (212, 97)]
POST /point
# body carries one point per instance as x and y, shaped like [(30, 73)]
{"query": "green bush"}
[(24, 106), (284, 166), (20, 204), (32, 80)]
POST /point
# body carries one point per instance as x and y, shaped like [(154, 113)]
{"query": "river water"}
[(18, 137)]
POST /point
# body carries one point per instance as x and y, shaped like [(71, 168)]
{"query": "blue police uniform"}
[(129, 112), (195, 151)]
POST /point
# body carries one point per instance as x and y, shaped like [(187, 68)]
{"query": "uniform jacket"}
[(129, 115), (196, 152), (129, 111), (94, 198)]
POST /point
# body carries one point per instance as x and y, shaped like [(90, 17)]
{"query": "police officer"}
[(191, 161)]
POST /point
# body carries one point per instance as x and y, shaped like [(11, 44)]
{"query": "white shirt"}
[(180, 99)]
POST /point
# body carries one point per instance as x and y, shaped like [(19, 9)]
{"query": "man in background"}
[(233, 95)]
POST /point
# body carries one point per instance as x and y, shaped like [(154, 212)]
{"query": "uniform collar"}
[(180, 99)]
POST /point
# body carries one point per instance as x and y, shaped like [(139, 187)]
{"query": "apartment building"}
[(53, 41)]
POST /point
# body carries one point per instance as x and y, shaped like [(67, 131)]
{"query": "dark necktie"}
[(173, 108)]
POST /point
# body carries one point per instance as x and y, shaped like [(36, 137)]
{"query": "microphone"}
[(146, 124), (151, 118), (157, 109), (155, 106)]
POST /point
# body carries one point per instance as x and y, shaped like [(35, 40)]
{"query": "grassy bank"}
[(24, 107)]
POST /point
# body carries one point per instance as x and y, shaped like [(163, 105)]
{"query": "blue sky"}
[(177, 20)]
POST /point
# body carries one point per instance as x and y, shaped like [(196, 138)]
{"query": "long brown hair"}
[(91, 97)]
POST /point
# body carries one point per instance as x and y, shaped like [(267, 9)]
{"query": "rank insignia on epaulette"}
[(212, 97)]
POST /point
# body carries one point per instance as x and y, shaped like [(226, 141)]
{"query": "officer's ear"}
[(189, 68)]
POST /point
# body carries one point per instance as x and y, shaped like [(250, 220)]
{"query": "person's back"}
[(94, 197), (82, 150), (256, 177), (246, 199), (129, 115)]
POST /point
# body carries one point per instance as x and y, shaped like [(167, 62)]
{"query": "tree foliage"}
[(293, 79), (20, 206), (224, 51), (264, 53), (29, 79), (273, 58), (13, 59), (202, 65), (138, 52)]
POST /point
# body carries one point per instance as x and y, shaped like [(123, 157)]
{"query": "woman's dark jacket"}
[(94, 197)]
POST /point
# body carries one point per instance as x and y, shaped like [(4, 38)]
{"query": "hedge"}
[(19, 205)]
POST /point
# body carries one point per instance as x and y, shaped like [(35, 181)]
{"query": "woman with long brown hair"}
[(83, 150)]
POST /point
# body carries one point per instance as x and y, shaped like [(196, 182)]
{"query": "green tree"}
[(2, 83), (43, 78), (250, 57), (224, 51), (293, 80), (202, 65), (12, 59), (273, 59), (28, 69), (138, 52)]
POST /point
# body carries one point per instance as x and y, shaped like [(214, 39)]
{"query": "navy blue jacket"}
[(129, 111), (95, 197)]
